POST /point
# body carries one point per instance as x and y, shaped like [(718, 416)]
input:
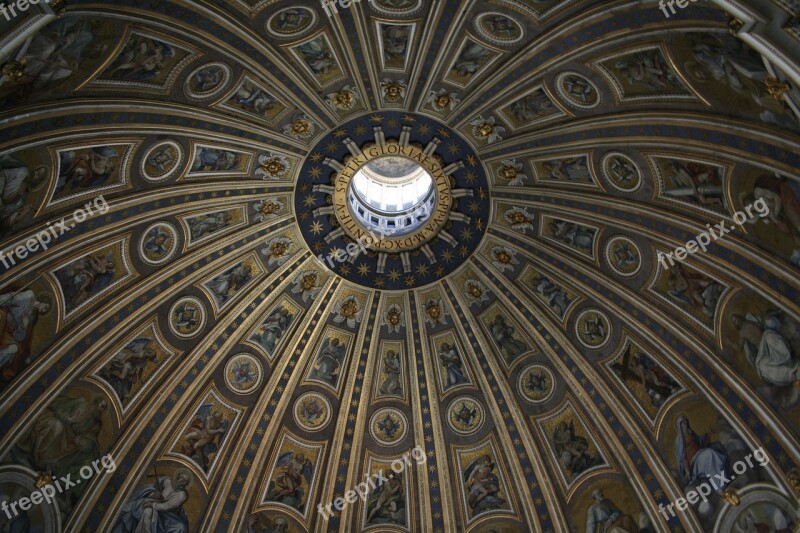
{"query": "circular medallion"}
[(392, 201), (312, 411), (623, 256), (291, 21), (396, 7), (207, 81), (536, 383), (17, 483), (159, 243), (162, 161), (243, 373), (388, 426), (593, 328), (465, 415), (577, 90), (498, 28), (758, 507), (187, 317), (621, 172)]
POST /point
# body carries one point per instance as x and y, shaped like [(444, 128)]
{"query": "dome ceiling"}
[(189, 294)]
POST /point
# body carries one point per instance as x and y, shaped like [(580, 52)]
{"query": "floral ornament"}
[(278, 249), (503, 258), (307, 284), (14, 70), (434, 312), (394, 318), (510, 170), (486, 129), (301, 127), (272, 166), (475, 291), (519, 219), (393, 91), (267, 209), (349, 311), (343, 100), (443, 101)]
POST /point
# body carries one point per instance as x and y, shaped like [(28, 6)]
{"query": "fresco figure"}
[(503, 335), (535, 105), (604, 516), (86, 168), (699, 182), (287, 487), (317, 56), (482, 485), (386, 504), (649, 70), (16, 186), (573, 450), (556, 297), (85, 278), (271, 331), (452, 364), (771, 346), (141, 59), (19, 314), (215, 160), (328, 362), (699, 459), (126, 369), (157, 508), (472, 57), (65, 436), (567, 169), (204, 434), (208, 223), (573, 234), (694, 290), (641, 368), (391, 367), (782, 198), (252, 98), (395, 41), (226, 285)]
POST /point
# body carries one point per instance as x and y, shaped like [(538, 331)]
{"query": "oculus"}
[(393, 187), (393, 194)]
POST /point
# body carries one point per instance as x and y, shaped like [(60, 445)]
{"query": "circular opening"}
[(392, 195)]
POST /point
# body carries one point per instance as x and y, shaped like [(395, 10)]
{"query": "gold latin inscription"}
[(421, 235)]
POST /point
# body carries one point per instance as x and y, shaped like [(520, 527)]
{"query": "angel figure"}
[(287, 487), (185, 317), (243, 373), (156, 242), (86, 277), (202, 438), (483, 485), (126, 369), (328, 362), (386, 505)]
